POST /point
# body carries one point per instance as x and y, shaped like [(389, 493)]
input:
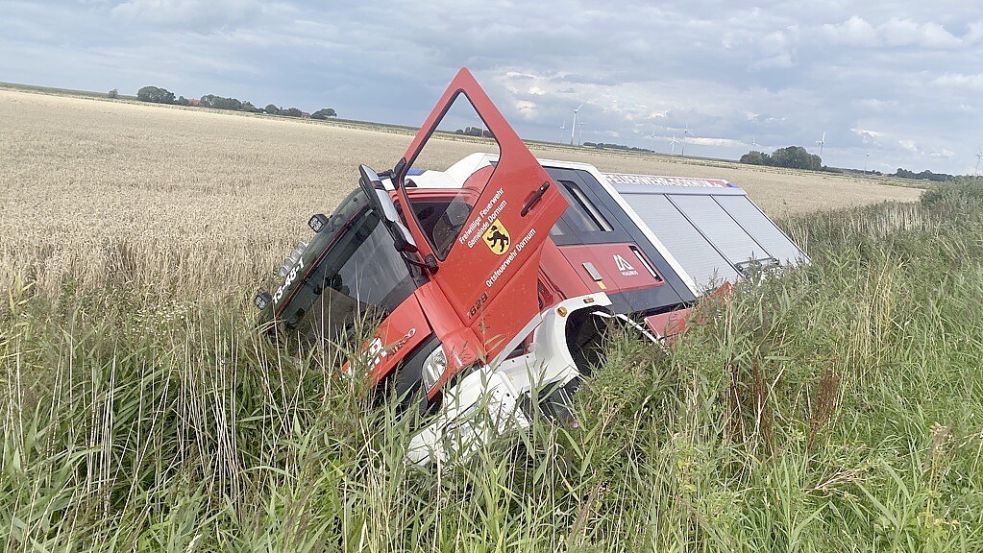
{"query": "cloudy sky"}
[(899, 80)]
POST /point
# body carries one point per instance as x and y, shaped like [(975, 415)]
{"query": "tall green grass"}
[(837, 407)]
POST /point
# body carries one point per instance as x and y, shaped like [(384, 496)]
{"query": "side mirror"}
[(383, 205), (370, 182), (403, 240)]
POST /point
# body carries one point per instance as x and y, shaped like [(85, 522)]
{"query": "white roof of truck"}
[(710, 226), (707, 229)]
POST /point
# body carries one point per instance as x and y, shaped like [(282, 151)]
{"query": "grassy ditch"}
[(835, 407)]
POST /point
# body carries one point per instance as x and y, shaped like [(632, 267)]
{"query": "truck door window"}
[(459, 134), (582, 214)]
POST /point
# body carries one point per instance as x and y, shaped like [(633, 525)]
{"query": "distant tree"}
[(220, 102), (155, 95), (474, 131), (182, 101), (248, 106), (795, 157), (292, 112), (613, 146), (924, 175), (792, 157), (755, 158), (271, 109), (113, 94), (324, 113)]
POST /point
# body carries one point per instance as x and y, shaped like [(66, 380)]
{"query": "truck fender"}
[(553, 343), (642, 330)]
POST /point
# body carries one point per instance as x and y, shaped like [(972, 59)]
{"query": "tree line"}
[(475, 131), (924, 175), (796, 157), (609, 146), (158, 95), (792, 157)]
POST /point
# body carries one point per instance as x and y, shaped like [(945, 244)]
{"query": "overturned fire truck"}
[(493, 280)]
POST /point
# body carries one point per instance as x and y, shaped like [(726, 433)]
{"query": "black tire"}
[(586, 338)]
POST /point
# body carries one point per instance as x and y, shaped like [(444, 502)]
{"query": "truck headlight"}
[(317, 222), (262, 300), (292, 259), (434, 367)]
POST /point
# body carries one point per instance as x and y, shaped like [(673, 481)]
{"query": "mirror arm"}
[(428, 263), (397, 170)]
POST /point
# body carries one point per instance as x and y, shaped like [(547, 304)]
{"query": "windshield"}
[(358, 276)]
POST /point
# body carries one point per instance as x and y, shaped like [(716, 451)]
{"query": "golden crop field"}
[(92, 188)]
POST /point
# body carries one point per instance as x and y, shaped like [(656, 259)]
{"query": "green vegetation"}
[(474, 131), (792, 157), (924, 175), (159, 95), (155, 95), (838, 407), (796, 157), (324, 113), (610, 146)]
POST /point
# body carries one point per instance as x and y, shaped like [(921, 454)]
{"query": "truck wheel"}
[(586, 334), (587, 337)]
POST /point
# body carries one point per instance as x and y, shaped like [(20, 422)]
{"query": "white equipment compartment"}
[(710, 226)]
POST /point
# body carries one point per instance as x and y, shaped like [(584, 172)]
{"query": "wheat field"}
[(226, 193)]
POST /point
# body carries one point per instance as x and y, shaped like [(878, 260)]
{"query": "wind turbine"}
[(866, 159), (754, 144), (682, 147), (580, 139), (979, 159), (821, 142), (674, 141), (573, 127), (563, 128)]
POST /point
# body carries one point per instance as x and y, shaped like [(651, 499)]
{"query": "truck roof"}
[(652, 183), (708, 229)]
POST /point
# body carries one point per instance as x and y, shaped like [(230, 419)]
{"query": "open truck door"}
[(482, 242)]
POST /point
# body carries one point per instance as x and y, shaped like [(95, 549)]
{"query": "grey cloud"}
[(194, 14), (779, 73)]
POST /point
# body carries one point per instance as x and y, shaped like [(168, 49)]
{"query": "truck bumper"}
[(497, 397), (483, 404)]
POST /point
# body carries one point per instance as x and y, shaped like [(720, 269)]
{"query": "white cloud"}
[(875, 104), (920, 150), (857, 31), (712, 141), (526, 108), (975, 32), (960, 80), (909, 145), (191, 13), (867, 136)]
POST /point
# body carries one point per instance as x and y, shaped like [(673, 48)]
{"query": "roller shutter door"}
[(705, 265), (764, 232)]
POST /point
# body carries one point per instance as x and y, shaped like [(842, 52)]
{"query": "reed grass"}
[(836, 407)]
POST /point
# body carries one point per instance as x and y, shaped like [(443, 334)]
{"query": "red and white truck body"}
[(491, 277)]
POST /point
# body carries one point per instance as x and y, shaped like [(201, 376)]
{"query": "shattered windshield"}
[(360, 277)]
